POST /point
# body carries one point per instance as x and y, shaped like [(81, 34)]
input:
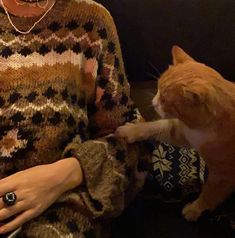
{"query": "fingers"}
[(6, 185), (19, 197), (7, 212), (5, 188), (17, 222), (2, 204)]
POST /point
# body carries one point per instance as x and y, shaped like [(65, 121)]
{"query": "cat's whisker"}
[(155, 68), (150, 95), (152, 75), (149, 106)]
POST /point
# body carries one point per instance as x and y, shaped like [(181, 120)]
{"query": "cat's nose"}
[(155, 102)]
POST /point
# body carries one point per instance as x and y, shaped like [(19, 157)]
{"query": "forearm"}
[(111, 167), (69, 173), (169, 131)]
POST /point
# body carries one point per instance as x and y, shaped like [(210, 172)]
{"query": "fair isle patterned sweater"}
[(63, 91)]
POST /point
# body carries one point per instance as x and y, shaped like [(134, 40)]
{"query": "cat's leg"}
[(214, 192), (165, 130)]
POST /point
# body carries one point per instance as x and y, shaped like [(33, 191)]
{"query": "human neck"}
[(25, 10)]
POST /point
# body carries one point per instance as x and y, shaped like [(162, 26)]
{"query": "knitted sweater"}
[(63, 91)]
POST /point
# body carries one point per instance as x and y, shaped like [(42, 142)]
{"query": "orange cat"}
[(198, 109)]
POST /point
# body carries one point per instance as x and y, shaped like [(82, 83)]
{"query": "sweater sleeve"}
[(114, 171)]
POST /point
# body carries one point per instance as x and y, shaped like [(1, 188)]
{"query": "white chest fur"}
[(196, 138)]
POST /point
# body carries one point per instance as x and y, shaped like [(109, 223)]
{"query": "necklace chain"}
[(35, 23)]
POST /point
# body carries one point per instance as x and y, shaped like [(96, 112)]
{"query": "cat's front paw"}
[(130, 132), (191, 212)]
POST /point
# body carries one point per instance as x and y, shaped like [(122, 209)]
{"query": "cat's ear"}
[(179, 56)]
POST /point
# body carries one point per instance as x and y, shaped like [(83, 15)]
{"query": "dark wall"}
[(149, 28)]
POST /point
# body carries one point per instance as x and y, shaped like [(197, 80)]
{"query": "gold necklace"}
[(35, 23)]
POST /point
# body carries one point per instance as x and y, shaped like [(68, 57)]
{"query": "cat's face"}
[(185, 91), (158, 103)]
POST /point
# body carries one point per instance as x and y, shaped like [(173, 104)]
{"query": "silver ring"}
[(9, 198)]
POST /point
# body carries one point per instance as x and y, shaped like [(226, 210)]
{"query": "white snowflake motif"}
[(160, 162)]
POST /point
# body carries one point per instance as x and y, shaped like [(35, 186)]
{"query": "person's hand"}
[(36, 189)]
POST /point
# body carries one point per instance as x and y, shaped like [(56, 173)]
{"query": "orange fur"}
[(205, 102), (198, 109)]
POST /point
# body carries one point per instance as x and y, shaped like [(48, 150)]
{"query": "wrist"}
[(69, 174)]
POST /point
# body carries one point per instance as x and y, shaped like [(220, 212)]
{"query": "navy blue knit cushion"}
[(177, 174)]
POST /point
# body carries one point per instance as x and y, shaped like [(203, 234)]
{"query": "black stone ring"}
[(9, 198)]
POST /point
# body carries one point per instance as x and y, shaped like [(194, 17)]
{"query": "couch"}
[(147, 31)]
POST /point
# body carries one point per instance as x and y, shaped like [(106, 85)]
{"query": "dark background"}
[(148, 29)]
